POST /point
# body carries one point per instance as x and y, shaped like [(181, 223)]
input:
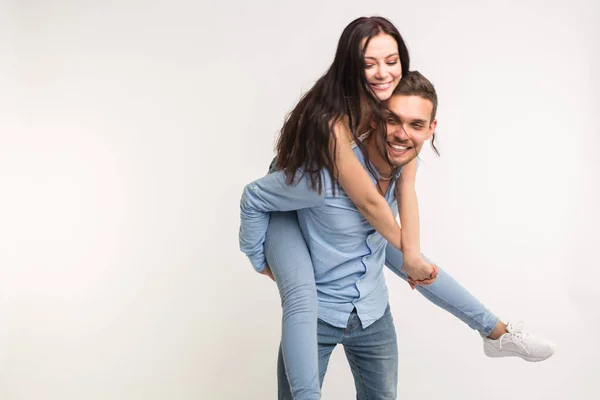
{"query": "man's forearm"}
[(408, 208), (409, 219), (263, 196)]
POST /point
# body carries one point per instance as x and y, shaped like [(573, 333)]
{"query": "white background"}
[(129, 128)]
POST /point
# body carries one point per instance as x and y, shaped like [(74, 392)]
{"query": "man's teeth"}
[(399, 148)]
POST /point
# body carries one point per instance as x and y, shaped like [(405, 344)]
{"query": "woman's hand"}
[(419, 271)]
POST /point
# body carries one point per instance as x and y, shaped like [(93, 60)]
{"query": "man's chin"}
[(402, 160)]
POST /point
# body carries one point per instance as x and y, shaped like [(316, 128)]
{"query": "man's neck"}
[(380, 164)]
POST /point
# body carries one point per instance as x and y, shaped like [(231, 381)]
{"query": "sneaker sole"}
[(491, 352)]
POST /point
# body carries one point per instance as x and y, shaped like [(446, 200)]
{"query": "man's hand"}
[(419, 271), (267, 271)]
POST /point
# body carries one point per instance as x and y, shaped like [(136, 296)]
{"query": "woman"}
[(317, 137)]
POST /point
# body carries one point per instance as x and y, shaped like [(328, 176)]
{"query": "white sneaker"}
[(517, 343)]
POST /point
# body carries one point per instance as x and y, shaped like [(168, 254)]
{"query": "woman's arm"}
[(356, 182), (263, 196)]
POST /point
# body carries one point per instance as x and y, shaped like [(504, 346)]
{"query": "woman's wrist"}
[(411, 254)]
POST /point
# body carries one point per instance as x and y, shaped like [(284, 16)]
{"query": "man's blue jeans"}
[(289, 259), (372, 354)]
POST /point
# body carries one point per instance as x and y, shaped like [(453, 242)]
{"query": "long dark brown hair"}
[(306, 139)]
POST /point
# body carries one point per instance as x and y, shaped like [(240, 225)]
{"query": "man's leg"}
[(500, 340), (373, 357), (328, 337)]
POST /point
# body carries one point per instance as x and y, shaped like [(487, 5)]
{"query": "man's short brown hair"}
[(413, 83)]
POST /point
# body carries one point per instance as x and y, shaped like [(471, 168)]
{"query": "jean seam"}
[(362, 382), (482, 329), (285, 366), (274, 257)]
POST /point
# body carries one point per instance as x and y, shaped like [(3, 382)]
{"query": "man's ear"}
[(432, 127), (372, 122)]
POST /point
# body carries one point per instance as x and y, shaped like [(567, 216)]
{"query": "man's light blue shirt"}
[(348, 255)]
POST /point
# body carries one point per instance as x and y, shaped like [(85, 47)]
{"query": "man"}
[(348, 256)]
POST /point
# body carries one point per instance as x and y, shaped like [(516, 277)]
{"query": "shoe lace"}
[(516, 335)]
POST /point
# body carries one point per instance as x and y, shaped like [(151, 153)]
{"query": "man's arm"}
[(408, 209), (263, 196), (418, 270)]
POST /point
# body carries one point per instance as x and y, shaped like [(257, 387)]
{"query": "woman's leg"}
[(291, 265), (499, 339), (448, 294)]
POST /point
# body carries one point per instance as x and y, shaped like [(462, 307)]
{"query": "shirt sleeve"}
[(263, 196)]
